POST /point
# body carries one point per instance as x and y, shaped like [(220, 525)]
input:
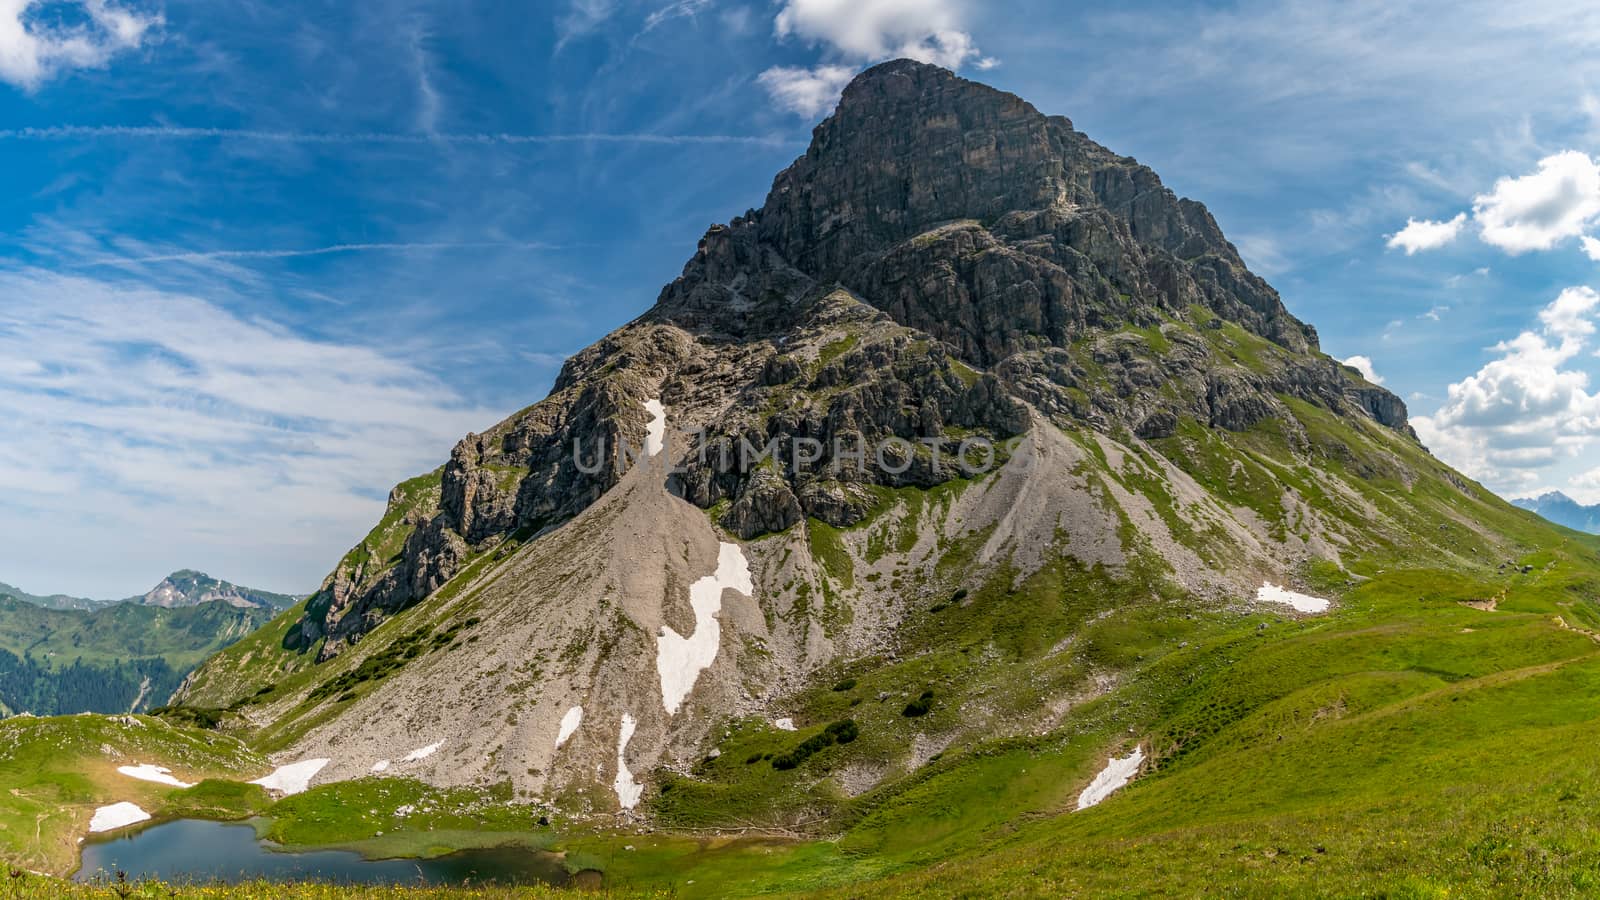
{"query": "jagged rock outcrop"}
[(965, 212), (945, 274), (190, 588), (941, 259)]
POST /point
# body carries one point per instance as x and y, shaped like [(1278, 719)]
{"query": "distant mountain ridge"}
[(61, 654), (185, 587), (944, 268), (191, 588), (53, 601), (971, 478), (1563, 510)]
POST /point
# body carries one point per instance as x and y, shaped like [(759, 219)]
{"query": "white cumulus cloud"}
[(809, 92), (1540, 210), (1363, 364), (1569, 317), (1585, 486), (1529, 408), (33, 50), (1424, 234), (857, 32), (928, 30)]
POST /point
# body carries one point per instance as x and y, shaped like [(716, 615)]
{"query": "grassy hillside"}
[(278, 651), (53, 601), (111, 659), (1429, 735), (57, 770), (1406, 744)]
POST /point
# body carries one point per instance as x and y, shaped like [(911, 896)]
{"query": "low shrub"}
[(919, 707), (841, 732)]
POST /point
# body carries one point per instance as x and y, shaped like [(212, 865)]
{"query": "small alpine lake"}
[(195, 851)]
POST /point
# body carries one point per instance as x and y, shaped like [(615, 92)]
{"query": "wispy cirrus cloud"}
[(184, 133), (581, 19), (681, 9), (333, 250), (141, 420)]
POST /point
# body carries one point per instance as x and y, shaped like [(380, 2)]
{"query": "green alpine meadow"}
[(968, 519)]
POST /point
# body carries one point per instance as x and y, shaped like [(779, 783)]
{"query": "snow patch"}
[(381, 765), (1271, 593), (569, 725), (656, 435), (157, 774), (1116, 774), (783, 724), (680, 660), (294, 778), (422, 753), (628, 790), (117, 815)]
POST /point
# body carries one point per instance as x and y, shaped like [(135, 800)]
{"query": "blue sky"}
[(260, 261)]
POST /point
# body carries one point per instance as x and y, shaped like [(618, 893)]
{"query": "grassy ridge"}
[(56, 771), (108, 659), (1431, 736), (185, 635), (1407, 744), (26, 887)]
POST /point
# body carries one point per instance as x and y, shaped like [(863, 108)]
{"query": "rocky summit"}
[(961, 431), (1563, 510), (191, 588)]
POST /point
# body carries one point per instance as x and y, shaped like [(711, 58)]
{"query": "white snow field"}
[(656, 437), (117, 815), (1116, 774), (628, 790), (294, 778), (422, 753), (1271, 593), (680, 660), (569, 725), (157, 774)]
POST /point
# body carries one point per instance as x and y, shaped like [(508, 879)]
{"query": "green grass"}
[(57, 770), (1404, 744), (355, 812), (24, 886)]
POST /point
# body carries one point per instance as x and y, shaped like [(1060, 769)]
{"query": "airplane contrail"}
[(179, 133), (204, 255)]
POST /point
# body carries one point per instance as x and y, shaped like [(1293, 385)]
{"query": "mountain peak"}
[(190, 587), (915, 155), (1563, 510), (945, 269)]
